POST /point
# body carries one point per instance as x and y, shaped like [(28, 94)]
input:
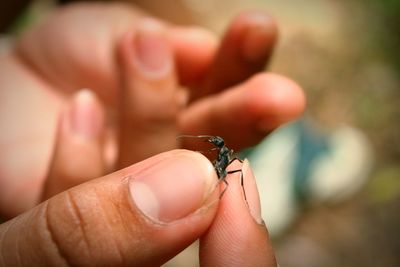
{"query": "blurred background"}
[(339, 205), (346, 56)]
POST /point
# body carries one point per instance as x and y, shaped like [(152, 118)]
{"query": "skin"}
[(98, 224), (52, 60)]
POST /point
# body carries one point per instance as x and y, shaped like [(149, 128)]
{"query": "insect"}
[(224, 159)]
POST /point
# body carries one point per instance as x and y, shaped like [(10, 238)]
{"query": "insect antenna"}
[(193, 136), (206, 139)]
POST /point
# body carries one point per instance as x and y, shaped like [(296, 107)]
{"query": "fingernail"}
[(252, 195), (173, 188), (153, 53), (259, 39), (86, 119)]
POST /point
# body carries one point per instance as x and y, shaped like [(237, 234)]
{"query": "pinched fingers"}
[(127, 218)]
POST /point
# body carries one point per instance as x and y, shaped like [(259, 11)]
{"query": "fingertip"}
[(188, 175), (194, 48), (274, 100), (260, 34), (86, 115), (145, 53)]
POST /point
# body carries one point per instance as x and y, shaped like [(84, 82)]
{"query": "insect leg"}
[(235, 158), (226, 187), (241, 179)]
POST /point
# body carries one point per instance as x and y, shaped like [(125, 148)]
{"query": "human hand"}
[(199, 63), (142, 215), (73, 50)]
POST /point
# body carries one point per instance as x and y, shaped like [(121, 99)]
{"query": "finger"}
[(133, 217), (246, 113), (238, 236), (244, 51), (78, 153), (151, 98), (194, 50)]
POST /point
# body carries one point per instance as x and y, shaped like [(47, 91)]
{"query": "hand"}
[(143, 215), (74, 50)]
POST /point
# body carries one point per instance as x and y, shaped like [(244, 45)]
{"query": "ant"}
[(223, 160)]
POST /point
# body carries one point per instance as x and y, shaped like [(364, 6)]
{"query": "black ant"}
[(223, 160)]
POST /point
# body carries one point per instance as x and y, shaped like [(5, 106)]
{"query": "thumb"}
[(140, 216)]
